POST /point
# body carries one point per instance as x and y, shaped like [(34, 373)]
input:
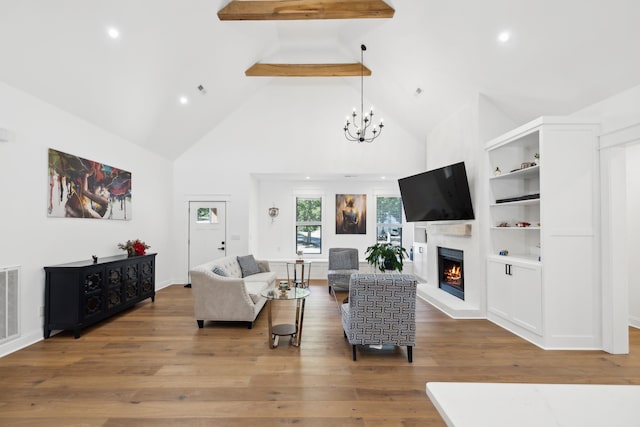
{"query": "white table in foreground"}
[(529, 405)]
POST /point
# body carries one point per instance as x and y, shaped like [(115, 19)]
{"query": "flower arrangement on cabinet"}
[(134, 247)]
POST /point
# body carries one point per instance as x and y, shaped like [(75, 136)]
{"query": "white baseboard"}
[(634, 322), (21, 342)]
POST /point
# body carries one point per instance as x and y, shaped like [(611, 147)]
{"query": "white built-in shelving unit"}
[(547, 288)]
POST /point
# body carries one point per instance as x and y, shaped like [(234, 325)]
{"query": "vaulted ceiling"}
[(562, 55)]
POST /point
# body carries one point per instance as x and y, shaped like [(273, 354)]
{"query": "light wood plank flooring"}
[(152, 366)]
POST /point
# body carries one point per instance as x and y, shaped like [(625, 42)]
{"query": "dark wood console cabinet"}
[(79, 294)]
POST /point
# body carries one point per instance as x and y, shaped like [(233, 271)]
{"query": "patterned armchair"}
[(343, 262), (381, 310)]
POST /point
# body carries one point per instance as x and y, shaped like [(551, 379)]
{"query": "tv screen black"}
[(437, 195)]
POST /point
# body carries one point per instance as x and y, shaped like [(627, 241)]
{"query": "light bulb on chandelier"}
[(352, 131)]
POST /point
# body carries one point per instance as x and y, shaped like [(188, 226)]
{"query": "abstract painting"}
[(351, 214), (81, 188)]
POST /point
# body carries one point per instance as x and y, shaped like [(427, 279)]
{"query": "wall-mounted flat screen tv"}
[(437, 195)]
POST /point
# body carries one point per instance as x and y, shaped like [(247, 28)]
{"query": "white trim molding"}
[(615, 269)]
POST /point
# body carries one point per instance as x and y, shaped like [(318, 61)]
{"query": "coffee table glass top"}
[(290, 294)]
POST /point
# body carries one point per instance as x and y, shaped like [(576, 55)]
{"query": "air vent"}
[(9, 291)]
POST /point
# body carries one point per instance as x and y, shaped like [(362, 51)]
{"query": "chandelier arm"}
[(354, 132), (348, 135)]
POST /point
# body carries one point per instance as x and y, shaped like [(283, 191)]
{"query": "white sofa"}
[(230, 297)]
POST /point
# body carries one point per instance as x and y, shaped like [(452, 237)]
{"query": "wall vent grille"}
[(9, 291)]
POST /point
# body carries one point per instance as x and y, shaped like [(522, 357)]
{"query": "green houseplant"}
[(385, 256)]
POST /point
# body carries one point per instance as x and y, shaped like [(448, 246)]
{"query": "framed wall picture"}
[(351, 214), (81, 188)]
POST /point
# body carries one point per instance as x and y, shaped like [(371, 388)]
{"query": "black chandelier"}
[(352, 131)]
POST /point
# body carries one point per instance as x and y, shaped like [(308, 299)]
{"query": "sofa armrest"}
[(220, 298)]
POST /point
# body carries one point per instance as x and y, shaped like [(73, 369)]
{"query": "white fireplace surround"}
[(455, 236)]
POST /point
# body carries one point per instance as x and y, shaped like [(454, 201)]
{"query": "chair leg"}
[(200, 324), (354, 352), (329, 289), (410, 353)]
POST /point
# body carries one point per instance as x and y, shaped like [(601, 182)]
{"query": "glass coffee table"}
[(294, 330)]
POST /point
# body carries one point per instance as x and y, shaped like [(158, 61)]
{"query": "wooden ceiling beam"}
[(262, 10), (306, 70)]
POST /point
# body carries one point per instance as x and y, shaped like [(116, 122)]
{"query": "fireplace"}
[(451, 271)]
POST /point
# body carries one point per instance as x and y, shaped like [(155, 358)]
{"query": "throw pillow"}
[(219, 271), (248, 265)]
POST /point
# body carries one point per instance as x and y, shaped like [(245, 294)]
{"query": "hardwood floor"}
[(152, 366)]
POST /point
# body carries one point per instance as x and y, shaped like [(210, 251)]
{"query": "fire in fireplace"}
[(451, 271)]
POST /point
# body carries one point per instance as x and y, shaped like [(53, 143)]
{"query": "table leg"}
[(270, 336), (299, 320)]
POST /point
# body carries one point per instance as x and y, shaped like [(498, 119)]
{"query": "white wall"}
[(30, 239), (276, 239), (287, 127), (455, 140), (461, 137), (618, 114)]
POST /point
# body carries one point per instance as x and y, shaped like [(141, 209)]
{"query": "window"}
[(389, 220), (207, 216), (309, 225)]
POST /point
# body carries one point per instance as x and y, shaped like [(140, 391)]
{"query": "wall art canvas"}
[(351, 214), (81, 188)]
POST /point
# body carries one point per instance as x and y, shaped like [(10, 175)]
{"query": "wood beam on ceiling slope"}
[(267, 10), (306, 70)]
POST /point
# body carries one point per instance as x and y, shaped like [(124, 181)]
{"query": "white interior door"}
[(207, 232)]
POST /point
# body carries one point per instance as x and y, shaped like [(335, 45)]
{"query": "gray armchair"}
[(343, 262), (381, 310)]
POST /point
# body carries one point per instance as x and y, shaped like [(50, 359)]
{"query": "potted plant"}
[(385, 256)]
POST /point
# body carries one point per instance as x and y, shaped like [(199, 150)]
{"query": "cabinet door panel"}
[(499, 289), (93, 292), (527, 297)]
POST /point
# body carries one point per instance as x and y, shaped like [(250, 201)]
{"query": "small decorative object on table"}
[(504, 252), (134, 247), (95, 259), (503, 224), (497, 172), (522, 224)]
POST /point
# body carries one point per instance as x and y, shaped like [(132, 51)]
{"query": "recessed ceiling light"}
[(504, 36), (383, 177), (307, 177), (183, 100), (113, 32)]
